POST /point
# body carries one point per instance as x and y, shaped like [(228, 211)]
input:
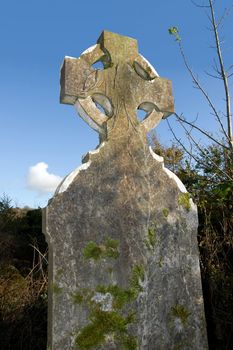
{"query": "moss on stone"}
[(109, 270), (178, 347), (59, 272), (105, 323), (56, 289), (165, 212), (120, 295), (136, 278), (109, 249), (184, 200), (151, 239), (179, 311), (102, 324), (92, 251), (78, 298), (123, 296), (160, 262), (129, 343)]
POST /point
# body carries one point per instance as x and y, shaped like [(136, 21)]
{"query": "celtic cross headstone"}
[(122, 230)]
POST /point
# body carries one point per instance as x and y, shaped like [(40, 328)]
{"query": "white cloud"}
[(40, 180)]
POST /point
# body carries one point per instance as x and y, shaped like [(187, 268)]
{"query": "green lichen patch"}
[(56, 289), (78, 298), (179, 311), (161, 261), (151, 239), (109, 249), (59, 272), (109, 270), (165, 212), (83, 295), (123, 296), (184, 200)]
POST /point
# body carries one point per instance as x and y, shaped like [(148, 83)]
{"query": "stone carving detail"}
[(123, 257)]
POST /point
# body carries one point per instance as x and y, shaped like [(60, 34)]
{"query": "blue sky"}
[(36, 35)]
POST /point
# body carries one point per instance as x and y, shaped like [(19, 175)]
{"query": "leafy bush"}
[(23, 279)]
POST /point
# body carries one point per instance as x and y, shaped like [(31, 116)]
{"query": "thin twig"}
[(40, 254), (195, 80), (197, 5), (200, 130), (180, 143)]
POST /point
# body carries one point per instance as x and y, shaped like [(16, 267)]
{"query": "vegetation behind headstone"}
[(207, 179), (23, 278)]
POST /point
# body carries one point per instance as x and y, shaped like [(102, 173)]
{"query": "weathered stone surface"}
[(123, 256)]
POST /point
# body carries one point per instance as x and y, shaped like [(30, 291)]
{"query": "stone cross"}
[(127, 83), (122, 230)]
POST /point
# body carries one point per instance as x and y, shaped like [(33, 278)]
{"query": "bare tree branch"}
[(226, 13), (213, 76), (180, 143), (197, 5), (199, 86), (224, 76), (200, 130)]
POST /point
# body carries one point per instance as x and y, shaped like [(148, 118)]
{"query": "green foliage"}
[(6, 214), (173, 156), (13, 289), (109, 249), (175, 32)]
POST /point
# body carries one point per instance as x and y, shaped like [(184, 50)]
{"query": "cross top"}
[(119, 48), (108, 99)]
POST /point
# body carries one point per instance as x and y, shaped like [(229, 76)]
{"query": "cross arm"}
[(75, 72)]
